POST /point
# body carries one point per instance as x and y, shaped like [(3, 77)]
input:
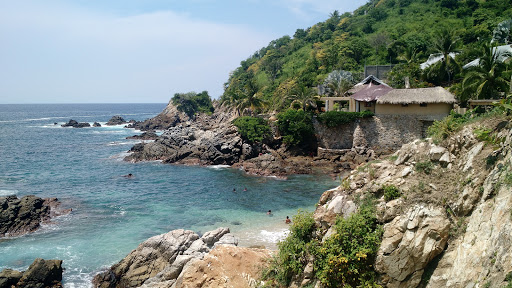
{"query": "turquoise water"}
[(111, 214)]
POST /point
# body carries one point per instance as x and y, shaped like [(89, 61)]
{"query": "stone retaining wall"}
[(383, 133)]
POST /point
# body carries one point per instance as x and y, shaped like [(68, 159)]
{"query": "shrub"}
[(336, 118), (345, 259), (440, 130), (252, 129), (293, 251), (425, 167), (295, 126), (391, 192), (191, 103)]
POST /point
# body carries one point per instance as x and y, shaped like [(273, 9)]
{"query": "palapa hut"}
[(435, 101), (367, 95)]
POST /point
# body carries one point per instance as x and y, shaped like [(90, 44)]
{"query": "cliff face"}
[(452, 224)]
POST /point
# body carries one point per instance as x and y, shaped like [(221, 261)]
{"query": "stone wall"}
[(383, 133)]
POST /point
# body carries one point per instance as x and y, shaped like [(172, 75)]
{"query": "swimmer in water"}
[(128, 176), (287, 221), (269, 212)]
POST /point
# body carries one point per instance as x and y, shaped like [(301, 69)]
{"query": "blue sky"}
[(138, 51)]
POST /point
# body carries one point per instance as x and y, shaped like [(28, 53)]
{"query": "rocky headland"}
[(214, 140), (19, 216), (40, 274)]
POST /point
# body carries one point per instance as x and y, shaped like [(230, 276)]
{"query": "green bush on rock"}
[(343, 260), (252, 129), (191, 103), (295, 126)]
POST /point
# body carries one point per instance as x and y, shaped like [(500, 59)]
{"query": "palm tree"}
[(489, 78), (446, 44), (249, 98), (305, 97)]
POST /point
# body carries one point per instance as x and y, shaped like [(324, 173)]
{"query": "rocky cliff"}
[(451, 222)]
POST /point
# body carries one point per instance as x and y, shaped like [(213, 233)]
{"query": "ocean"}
[(111, 215)]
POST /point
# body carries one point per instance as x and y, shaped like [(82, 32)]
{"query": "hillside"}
[(379, 32), (435, 214)]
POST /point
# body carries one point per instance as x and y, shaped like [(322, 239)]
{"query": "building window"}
[(367, 104), (423, 104), (405, 105)]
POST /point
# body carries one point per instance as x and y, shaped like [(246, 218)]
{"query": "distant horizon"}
[(123, 51)]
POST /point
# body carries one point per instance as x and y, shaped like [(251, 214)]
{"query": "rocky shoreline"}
[(212, 140)]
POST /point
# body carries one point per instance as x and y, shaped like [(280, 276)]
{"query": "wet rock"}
[(116, 120), (96, 124), (40, 274), (75, 124), (25, 215)]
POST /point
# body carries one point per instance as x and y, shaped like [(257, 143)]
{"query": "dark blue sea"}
[(112, 214)]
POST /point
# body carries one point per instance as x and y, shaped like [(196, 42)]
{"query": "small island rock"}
[(116, 120)]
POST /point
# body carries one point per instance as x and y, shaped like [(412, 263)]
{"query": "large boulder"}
[(160, 259), (40, 274), (25, 215), (409, 243)]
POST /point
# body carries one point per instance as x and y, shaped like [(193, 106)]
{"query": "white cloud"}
[(57, 53)]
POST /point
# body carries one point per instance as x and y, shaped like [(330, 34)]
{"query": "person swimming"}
[(288, 220), (130, 175), (269, 212)]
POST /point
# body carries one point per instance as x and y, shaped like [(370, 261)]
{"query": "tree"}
[(488, 79), (445, 44), (305, 97), (248, 96), (338, 82)]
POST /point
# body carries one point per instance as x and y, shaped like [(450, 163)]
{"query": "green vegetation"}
[(403, 32), (391, 192), (293, 251), (425, 167), (336, 118), (252, 129), (295, 126), (344, 260), (440, 130), (192, 103)]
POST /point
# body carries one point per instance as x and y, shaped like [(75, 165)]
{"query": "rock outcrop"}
[(451, 227), (159, 261), (40, 274), (75, 124), (25, 215), (116, 120)]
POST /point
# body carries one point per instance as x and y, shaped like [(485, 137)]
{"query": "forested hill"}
[(379, 32)]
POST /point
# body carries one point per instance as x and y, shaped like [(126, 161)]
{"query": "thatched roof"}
[(417, 96), (371, 92)]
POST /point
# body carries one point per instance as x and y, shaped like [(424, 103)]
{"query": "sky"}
[(138, 51)]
